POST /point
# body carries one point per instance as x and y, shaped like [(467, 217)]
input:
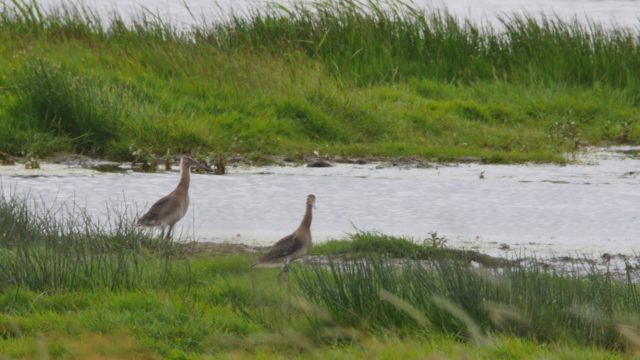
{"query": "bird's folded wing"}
[(156, 212), (284, 247)]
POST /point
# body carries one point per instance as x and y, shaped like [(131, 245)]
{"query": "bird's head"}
[(311, 200), (190, 162)]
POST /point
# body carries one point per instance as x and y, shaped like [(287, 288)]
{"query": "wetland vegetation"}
[(78, 289), (339, 77)]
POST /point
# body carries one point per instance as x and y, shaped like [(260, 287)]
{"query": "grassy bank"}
[(339, 78), (81, 290)]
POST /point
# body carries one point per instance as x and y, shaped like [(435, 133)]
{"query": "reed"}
[(59, 247), (378, 40), (450, 297), (52, 99), (374, 41), (344, 77)]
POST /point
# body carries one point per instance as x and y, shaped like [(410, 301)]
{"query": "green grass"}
[(367, 244), (76, 289), (378, 41), (53, 100), (158, 324), (334, 77), (448, 297), (57, 248)]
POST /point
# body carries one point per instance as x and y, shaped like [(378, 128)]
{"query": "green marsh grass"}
[(454, 299), (67, 281), (52, 99), (59, 248), (373, 41), (371, 243), (344, 78)]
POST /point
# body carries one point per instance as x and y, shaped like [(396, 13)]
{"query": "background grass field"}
[(340, 77)]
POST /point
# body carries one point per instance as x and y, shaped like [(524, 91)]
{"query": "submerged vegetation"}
[(78, 289), (340, 77)]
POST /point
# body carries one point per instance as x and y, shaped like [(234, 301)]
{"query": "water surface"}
[(588, 208), (608, 12)]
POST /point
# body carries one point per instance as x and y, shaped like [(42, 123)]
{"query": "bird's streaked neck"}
[(185, 177), (306, 220)]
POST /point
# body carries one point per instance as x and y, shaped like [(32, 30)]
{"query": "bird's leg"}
[(162, 232), (285, 269), (168, 237)]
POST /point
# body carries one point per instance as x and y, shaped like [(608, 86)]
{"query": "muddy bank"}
[(236, 160), (619, 267)]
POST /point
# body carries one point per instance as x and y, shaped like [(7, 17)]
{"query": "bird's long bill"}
[(204, 167)]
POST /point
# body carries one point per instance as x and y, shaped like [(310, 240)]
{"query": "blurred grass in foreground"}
[(74, 288)]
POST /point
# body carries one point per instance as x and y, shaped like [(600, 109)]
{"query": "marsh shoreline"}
[(619, 267), (585, 207)]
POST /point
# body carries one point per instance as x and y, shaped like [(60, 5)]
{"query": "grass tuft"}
[(450, 297), (61, 248), (367, 243), (51, 99)]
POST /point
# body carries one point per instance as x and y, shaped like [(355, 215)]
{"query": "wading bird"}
[(167, 211), (292, 246)]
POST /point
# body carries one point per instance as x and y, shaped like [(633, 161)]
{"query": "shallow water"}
[(621, 12), (590, 208)]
